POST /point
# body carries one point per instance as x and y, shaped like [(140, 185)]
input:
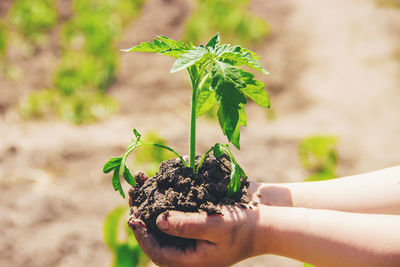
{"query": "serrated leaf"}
[(222, 72), (217, 150), (214, 41), (128, 176), (205, 101), (223, 48), (255, 90), (227, 83), (111, 164), (174, 44), (117, 182), (163, 45), (190, 58), (243, 57)]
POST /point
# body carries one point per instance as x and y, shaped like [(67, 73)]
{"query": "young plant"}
[(217, 79)]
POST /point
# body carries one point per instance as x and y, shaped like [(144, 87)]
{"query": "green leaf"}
[(117, 182), (221, 120), (243, 57), (111, 164), (174, 45), (217, 150), (242, 121), (222, 72), (128, 176), (235, 183), (227, 83), (206, 100), (163, 45), (214, 41), (255, 90), (190, 58), (137, 135)]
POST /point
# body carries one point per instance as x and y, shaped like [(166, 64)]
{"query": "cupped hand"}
[(221, 239)]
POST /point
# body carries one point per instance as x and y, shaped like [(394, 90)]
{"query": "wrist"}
[(276, 227), (265, 231)]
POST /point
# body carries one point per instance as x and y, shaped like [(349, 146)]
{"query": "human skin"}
[(293, 220), (375, 192)]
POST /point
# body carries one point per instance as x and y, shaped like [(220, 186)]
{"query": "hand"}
[(222, 239)]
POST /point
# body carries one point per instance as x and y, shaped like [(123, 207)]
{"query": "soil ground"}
[(333, 69)]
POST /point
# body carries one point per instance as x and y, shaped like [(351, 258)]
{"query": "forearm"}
[(374, 192), (330, 238)]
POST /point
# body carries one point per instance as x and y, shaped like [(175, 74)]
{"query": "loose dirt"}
[(176, 187)]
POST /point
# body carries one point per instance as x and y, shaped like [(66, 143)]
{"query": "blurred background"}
[(69, 100)]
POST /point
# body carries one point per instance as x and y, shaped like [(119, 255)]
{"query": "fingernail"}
[(162, 222), (134, 224)]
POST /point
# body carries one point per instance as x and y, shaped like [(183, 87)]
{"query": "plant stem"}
[(202, 158), (192, 147), (131, 148), (170, 149), (198, 77)]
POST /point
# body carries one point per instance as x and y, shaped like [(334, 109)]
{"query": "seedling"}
[(217, 79)]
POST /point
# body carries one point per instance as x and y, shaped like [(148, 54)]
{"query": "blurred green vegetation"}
[(3, 41), (81, 107), (88, 65), (318, 155), (34, 17), (126, 253), (228, 17), (89, 59), (148, 158), (389, 3)]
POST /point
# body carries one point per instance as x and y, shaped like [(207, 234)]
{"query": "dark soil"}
[(175, 187)]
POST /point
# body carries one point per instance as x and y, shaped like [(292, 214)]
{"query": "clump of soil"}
[(176, 187)]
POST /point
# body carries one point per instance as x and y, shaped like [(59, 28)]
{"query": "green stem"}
[(203, 158), (198, 78), (170, 149), (192, 147), (131, 148)]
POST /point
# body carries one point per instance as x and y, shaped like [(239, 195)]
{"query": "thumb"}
[(192, 225)]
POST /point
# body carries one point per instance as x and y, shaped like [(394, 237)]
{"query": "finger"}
[(134, 213), (140, 177), (168, 256), (197, 225), (190, 257), (130, 197)]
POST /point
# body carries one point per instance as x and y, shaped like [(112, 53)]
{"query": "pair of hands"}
[(221, 239)]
